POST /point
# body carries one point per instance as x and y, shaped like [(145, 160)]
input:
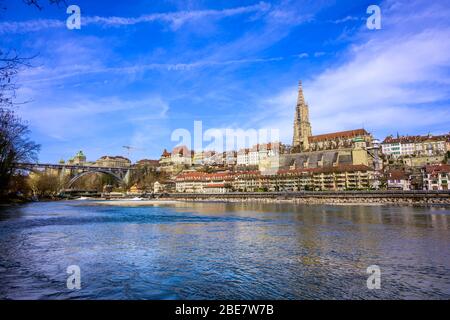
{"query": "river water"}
[(223, 251)]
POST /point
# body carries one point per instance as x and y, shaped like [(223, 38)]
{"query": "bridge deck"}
[(66, 166)]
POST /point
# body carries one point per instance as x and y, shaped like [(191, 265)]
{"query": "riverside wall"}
[(324, 197)]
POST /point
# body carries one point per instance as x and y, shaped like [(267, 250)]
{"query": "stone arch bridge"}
[(120, 174)]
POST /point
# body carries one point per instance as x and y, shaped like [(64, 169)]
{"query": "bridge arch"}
[(84, 173)]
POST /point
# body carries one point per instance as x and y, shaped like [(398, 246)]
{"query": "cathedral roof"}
[(341, 134)]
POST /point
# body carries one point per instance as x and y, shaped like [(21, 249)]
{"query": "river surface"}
[(223, 251)]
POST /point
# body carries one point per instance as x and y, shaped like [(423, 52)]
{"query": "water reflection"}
[(224, 251)]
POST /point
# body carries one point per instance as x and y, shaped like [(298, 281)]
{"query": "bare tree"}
[(10, 65), (38, 4), (15, 146), (43, 184)]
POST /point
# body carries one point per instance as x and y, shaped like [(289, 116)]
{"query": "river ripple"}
[(224, 251)]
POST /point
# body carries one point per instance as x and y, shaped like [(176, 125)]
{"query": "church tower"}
[(302, 127)]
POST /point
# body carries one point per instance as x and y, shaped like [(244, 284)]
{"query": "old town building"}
[(243, 157), (113, 161), (398, 180), (427, 145), (78, 159), (148, 163), (347, 177), (208, 159), (165, 160), (181, 155), (179, 158), (436, 177), (230, 158), (218, 159)]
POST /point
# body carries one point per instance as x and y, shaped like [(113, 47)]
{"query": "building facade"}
[(424, 146), (242, 158), (350, 177), (113, 161), (436, 177), (78, 159), (181, 155), (398, 180)]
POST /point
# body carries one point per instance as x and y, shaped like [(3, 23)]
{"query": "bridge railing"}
[(67, 166)]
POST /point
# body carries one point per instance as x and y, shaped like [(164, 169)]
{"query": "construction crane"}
[(129, 148)]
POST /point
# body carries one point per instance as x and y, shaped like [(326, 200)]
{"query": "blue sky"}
[(138, 70)]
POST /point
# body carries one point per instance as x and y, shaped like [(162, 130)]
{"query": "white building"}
[(242, 157), (231, 158), (218, 158), (415, 145), (181, 155), (398, 179), (436, 177), (253, 155)]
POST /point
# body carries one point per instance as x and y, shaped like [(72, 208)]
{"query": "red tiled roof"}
[(397, 175), (215, 185), (182, 151), (341, 134), (433, 169), (416, 139), (165, 153), (243, 151)]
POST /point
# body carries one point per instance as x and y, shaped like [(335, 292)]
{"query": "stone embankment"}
[(337, 198)]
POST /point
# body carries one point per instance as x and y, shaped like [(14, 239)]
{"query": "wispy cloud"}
[(174, 19), (396, 79), (347, 19), (302, 55), (30, 25), (78, 116), (47, 74)]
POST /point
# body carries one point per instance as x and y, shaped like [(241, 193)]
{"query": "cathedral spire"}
[(302, 127), (300, 97)]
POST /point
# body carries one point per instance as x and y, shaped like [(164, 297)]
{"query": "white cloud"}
[(347, 19), (42, 74), (319, 54), (81, 117), (174, 19), (393, 79), (302, 55)]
